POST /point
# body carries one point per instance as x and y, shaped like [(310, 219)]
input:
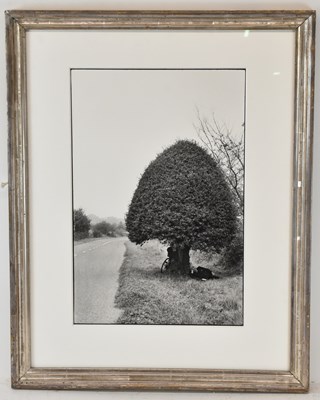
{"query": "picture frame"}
[(27, 376)]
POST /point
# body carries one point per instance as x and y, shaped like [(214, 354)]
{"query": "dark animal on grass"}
[(202, 273)]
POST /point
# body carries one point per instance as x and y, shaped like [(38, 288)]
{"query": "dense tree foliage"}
[(81, 224), (183, 200)]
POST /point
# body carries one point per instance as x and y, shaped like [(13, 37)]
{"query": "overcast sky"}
[(122, 119)]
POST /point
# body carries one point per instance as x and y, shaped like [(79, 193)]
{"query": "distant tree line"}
[(106, 229), (82, 227)]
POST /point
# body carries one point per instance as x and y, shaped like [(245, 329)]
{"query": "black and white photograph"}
[(158, 163)]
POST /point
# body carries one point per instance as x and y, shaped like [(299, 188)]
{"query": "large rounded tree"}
[(183, 200)]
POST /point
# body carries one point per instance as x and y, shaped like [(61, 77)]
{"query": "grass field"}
[(146, 296)]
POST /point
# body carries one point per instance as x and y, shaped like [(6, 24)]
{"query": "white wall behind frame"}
[(5, 391)]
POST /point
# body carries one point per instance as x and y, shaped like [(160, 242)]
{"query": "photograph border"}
[(302, 23), (73, 185)]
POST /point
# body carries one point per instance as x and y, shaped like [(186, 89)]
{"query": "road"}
[(96, 272)]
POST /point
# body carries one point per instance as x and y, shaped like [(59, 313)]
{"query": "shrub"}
[(80, 235), (96, 233), (233, 254)]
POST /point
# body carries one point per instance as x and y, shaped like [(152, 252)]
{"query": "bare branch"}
[(227, 151)]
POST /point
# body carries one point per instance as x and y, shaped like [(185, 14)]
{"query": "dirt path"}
[(96, 271)]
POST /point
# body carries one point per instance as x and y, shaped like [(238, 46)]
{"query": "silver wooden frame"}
[(26, 376)]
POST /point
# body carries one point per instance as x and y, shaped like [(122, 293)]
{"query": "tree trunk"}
[(181, 260)]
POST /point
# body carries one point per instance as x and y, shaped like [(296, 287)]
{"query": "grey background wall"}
[(5, 391)]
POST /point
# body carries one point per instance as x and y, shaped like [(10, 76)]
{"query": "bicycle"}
[(165, 265)]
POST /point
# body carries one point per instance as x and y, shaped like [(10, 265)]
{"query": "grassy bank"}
[(148, 297)]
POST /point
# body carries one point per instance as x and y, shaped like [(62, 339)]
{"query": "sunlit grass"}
[(148, 297)]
